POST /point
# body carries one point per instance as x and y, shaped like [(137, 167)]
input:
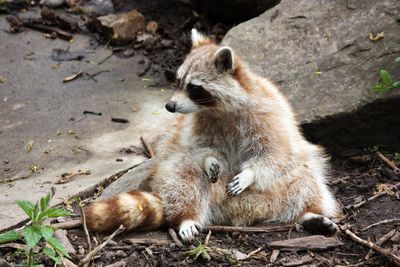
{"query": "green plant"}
[(396, 156), (201, 250), (38, 231), (386, 83)]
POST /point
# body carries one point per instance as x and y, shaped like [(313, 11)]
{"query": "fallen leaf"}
[(376, 38), (72, 77), (30, 145), (2, 80)]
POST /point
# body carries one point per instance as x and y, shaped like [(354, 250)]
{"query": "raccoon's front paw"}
[(240, 182), (188, 230), (213, 168)]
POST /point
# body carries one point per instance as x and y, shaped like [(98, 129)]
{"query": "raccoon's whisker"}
[(204, 101)]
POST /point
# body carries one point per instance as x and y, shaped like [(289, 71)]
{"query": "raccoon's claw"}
[(234, 188), (188, 230), (213, 169), (240, 182)]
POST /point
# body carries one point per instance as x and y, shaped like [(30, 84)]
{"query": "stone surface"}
[(235, 10), (321, 56), (35, 105)]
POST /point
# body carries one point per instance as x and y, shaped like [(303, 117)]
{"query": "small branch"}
[(72, 224), (356, 206), (207, 238), (361, 203), (256, 251), (86, 233), (148, 150), (105, 59), (385, 253), (92, 253), (174, 237), (66, 177), (388, 162), (259, 229), (380, 223), (381, 241)]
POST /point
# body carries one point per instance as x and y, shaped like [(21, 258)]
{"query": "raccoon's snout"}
[(171, 106)]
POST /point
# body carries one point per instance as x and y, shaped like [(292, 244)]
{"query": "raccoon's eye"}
[(199, 95), (193, 87), (195, 91)]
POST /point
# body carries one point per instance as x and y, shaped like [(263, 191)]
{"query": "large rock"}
[(320, 54), (235, 10)]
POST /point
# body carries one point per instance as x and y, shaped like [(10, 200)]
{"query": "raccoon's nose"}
[(171, 106)]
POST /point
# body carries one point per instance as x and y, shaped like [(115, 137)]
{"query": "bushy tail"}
[(134, 210)]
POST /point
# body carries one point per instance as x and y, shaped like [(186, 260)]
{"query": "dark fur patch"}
[(317, 225), (200, 96)]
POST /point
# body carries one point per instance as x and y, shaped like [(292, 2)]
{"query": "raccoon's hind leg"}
[(211, 161), (316, 223)]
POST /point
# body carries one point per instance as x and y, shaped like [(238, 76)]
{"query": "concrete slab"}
[(36, 105)]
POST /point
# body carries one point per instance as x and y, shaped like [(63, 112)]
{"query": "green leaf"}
[(385, 77), (54, 213), (36, 212), (46, 231), (57, 246), (45, 201), (49, 252), (27, 206), (380, 88), (32, 236), (9, 236), (397, 60), (396, 84)]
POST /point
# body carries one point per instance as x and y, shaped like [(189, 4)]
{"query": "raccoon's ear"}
[(224, 60), (198, 38)]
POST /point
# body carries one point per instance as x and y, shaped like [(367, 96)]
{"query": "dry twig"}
[(92, 253), (86, 234), (377, 195), (72, 224), (254, 229), (148, 150), (65, 177), (381, 241), (207, 238), (385, 253), (174, 237), (388, 162), (380, 223)]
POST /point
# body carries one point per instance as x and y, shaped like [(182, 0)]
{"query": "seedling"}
[(386, 84), (201, 250), (37, 231)]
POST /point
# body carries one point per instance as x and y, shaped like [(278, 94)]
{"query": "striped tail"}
[(134, 210)]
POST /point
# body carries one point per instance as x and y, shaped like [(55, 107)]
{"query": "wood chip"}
[(274, 255), (301, 261), (314, 242)]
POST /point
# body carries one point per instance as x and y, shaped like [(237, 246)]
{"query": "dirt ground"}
[(353, 180)]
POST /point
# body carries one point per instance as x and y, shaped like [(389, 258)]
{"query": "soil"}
[(353, 179)]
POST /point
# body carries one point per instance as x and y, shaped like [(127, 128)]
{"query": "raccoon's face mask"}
[(190, 99), (197, 76)]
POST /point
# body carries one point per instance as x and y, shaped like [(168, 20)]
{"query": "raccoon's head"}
[(207, 78)]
